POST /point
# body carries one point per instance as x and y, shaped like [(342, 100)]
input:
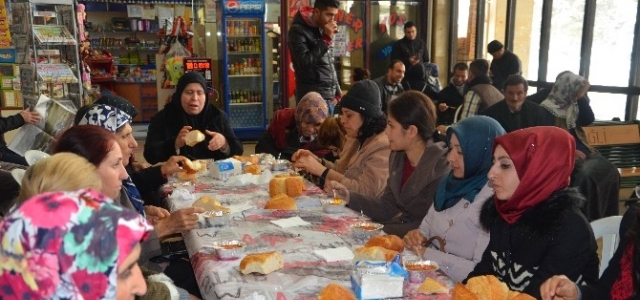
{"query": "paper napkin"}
[(335, 254), (291, 222)]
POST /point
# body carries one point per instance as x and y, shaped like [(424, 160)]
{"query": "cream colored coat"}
[(365, 168)]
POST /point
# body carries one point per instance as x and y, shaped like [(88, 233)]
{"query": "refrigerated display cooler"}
[(244, 67)]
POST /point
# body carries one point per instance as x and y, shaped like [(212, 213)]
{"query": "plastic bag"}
[(173, 66)]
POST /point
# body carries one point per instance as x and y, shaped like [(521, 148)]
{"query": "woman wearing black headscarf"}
[(188, 110)]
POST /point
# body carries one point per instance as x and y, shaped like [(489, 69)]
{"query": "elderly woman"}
[(363, 166), (188, 110), (295, 128), (454, 216), (144, 183), (535, 224), (417, 164), (71, 245), (596, 177)]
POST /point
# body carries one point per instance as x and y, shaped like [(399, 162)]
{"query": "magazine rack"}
[(45, 37)]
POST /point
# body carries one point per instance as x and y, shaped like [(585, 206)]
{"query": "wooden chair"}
[(607, 229)]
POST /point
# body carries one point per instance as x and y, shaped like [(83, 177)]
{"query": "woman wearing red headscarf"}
[(536, 227)]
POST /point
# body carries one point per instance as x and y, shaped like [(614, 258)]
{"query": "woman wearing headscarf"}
[(296, 128), (596, 177), (188, 110), (535, 224), (417, 164), (71, 245), (143, 183), (454, 216), (363, 166)]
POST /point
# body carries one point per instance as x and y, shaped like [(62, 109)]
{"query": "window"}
[(526, 37), (567, 18), (607, 106)]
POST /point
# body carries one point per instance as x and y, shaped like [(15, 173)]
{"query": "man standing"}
[(410, 49), (515, 112), (310, 38), (479, 94), (14, 122), (504, 63), (453, 95), (390, 84)]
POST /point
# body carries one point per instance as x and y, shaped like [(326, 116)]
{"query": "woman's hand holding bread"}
[(179, 221), (172, 165), (415, 241), (181, 139)]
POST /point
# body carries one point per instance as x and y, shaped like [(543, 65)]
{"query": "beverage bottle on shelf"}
[(245, 66)]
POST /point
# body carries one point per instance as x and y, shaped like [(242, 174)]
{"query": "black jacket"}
[(530, 115), (312, 60), (549, 239), (7, 124), (405, 48), (450, 96), (501, 68), (148, 181), (164, 128)]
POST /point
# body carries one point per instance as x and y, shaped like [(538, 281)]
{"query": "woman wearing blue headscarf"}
[(454, 215)]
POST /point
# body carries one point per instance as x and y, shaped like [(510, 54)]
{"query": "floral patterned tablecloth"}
[(304, 274)]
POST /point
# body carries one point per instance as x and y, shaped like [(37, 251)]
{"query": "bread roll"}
[(295, 186), (487, 287), (252, 169), (460, 292), (247, 159), (194, 137), (184, 176), (263, 263), (374, 253), (391, 242), (430, 287), (210, 204), (281, 202), (194, 166), (292, 185), (277, 185), (335, 291)]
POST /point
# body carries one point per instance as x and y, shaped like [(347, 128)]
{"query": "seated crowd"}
[(479, 197)]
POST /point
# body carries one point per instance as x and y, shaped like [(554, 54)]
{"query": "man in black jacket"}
[(504, 63), (14, 122), (310, 38), (410, 49), (452, 96)]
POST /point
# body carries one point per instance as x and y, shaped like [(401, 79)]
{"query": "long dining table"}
[(304, 273)]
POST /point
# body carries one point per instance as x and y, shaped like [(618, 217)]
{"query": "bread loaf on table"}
[(281, 202), (391, 242), (252, 169), (335, 291), (292, 185), (209, 203), (460, 292), (431, 286), (194, 137), (263, 263), (374, 253)]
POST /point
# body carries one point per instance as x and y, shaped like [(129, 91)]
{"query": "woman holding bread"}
[(190, 110), (144, 183), (454, 215), (363, 166), (416, 166), (536, 227), (296, 128)]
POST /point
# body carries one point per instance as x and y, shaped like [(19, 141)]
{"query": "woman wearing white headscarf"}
[(597, 179)]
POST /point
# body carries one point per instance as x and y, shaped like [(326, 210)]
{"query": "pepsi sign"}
[(244, 7)]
